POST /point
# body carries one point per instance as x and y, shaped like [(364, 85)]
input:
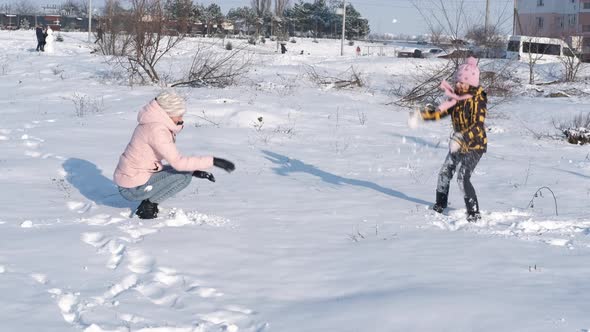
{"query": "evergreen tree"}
[(244, 17)]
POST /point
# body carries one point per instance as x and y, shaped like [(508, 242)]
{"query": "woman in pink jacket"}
[(140, 174)]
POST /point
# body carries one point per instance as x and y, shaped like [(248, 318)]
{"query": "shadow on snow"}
[(88, 179), (288, 166)]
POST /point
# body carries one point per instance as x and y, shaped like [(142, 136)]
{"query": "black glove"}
[(204, 175), (227, 165)]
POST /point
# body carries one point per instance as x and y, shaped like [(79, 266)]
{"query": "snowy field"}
[(324, 225)]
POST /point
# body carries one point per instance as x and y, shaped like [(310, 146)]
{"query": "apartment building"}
[(566, 19)]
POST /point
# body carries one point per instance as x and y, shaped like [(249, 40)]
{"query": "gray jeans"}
[(467, 163), (160, 186)]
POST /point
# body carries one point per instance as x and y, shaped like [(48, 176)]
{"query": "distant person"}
[(40, 38), (358, 51), (283, 48), (99, 33), (140, 174), (467, 108)]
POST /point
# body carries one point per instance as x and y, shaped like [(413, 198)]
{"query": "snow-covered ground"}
[(324, 225)]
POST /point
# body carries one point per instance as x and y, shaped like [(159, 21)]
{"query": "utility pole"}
[(487, 29), (89, 20), (343, 27), (514, 18)]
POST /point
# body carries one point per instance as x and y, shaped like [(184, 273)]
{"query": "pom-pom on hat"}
[(171, 103), (469, 72)]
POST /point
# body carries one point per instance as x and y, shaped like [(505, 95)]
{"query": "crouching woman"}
[(140, 174)]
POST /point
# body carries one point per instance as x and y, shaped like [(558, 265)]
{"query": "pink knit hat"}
[(468, 72)]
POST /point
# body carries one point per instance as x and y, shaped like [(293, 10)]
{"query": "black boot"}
[(147, 210), (441, 202), (472, 206)]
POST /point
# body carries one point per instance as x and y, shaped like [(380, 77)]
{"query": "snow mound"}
[(520, 224), (179, 218)]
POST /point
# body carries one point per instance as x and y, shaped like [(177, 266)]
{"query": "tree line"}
[(312, 18)]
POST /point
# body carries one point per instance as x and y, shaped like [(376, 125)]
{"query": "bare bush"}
[(84, 104), (572, 65), (57, 70), (362, 116), (207, 119), (576, 130), (4, 68), (347, 79), (497, 78), (425, 89), (218, 69)]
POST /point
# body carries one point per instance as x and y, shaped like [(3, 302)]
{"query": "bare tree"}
[(534, 53), (436, 35), (279, 21), (82, 6), (141, 40), (261, 8), (151, 40), (446, 21), (279, 17), (449, 23), (446, 18), (114, 26), (25, 7), (489, 39)]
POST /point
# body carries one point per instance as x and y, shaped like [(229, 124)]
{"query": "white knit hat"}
[(171, 103)]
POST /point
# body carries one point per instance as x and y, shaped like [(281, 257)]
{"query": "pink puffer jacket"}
[(153, 140)]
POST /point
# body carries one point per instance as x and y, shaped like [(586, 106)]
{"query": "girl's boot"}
[(472, 205), (441, 202)]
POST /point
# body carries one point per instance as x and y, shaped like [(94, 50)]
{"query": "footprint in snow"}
[(204, 292), (104, 244), (79, 207), (124, 285), (139, 262), (68, 305)]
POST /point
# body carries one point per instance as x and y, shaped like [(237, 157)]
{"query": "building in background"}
[(565, 19)]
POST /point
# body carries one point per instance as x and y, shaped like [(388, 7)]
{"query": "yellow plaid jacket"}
[(468, 119)]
